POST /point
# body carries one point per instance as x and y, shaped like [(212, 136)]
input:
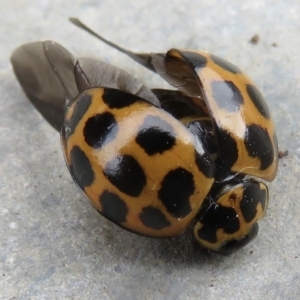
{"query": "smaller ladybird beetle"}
[(155, 161)]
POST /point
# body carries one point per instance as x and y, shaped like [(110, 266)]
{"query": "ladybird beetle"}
[(155, 161)]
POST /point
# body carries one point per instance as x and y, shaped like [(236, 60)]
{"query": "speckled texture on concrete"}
[(53, 245)]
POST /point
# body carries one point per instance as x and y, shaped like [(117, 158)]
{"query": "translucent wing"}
[(45, 72), (51, 77), (102, 74)]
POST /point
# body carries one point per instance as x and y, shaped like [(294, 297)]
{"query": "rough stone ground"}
[(53, 245)]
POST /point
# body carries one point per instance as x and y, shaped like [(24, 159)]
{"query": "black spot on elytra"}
[(176, 189), (153, 218), (81, 106), (81, 168), (258, 100), (216, 217), (235, 245), (155, 135), (224, 64), (195, 60), (118, 99), (252, 196), (258, 144), (113, 207), (227, 95), (100, 129), (125, 173), (205, 164), (227, 149)]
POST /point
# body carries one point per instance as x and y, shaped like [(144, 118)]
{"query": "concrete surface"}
[(54, 245)]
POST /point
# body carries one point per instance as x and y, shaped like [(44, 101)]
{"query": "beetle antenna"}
[(142, 58)]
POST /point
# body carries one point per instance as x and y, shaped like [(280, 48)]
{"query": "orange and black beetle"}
[(153, 161)]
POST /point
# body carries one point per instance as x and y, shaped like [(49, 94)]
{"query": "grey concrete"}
[(55, 246)]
